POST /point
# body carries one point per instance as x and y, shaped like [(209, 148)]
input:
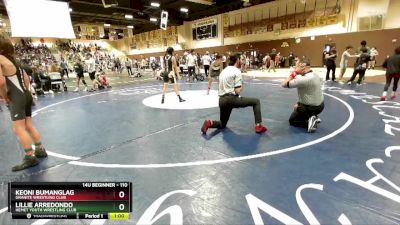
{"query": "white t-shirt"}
[(229, 79), (190, 60), (91, 65), (128, 63), (206, 60), (374, 52), (144, 63)]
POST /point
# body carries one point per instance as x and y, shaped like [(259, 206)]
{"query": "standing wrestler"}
[(230, 86), (169, 76), (91, 69), (79, 74), (15, 89), (272, 56), (216, 68)]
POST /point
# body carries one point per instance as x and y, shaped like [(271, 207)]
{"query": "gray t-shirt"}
[(309, 88), (229, 79)]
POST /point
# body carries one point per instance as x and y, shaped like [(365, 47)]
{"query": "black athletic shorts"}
[(215, 73), (80, 75), (167, 79), (92, 75), (20, 105)]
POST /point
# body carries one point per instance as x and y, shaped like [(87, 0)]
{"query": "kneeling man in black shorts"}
[(230, 86), (311, 100)]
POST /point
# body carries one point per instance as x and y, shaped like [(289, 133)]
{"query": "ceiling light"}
[(107, 25), (153, 19), (130, 27), (185, 10), (129, 17), (70, 9), (155, 4)]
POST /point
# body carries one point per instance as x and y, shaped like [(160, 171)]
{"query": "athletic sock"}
[(383, 97), (394, 96), (40, 152), (28, 151), (38, 144)]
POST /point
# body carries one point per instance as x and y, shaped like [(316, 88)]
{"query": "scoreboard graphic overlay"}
[(70, 200)]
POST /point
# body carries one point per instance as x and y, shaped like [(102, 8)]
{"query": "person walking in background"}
[(247, 61), (272, 57), (143, 64), (266, 60), (344, 61), (278, 60), (128, 65), (291, 58), (360, 66), (206, 59), (64, 68), (79, 74), (363, 44), (223, 61), (328, 47), (191, 64), (374, 53), (392, 65), (243, 62), (91, 69), (182, 62), (199, 63), (331, 63)]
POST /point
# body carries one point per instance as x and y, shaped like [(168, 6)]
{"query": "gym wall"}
[(382, 39)]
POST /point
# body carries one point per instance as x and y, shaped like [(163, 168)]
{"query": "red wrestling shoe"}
[(261, 129), (206, 126)]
